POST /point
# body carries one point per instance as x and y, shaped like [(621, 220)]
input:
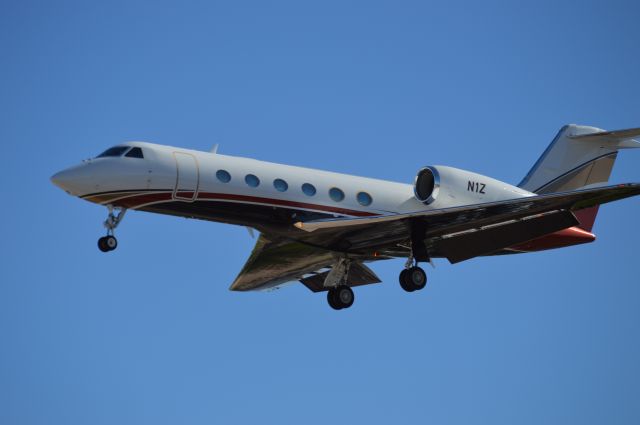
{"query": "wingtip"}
[(237, 286)]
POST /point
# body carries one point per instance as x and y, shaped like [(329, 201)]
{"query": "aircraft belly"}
[(257, 216)]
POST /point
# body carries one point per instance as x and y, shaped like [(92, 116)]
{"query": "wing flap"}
[(470, 244)]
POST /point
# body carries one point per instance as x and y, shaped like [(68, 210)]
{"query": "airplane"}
[(322, 228)]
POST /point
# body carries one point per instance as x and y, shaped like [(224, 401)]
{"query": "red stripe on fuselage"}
[(283, 202), (137, 200)]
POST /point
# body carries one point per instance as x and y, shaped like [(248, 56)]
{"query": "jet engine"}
[(448, 186)]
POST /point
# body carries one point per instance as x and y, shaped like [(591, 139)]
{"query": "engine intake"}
[(427, 185)]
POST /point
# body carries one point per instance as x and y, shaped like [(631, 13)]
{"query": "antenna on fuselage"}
[(214, 149)]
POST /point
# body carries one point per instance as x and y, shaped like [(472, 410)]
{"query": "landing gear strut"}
[(339, 295), (412, 278), (109, 242)]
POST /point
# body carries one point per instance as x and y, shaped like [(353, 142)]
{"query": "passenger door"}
[(188, 177)]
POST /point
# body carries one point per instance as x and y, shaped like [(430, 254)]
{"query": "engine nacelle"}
[(448, 186)]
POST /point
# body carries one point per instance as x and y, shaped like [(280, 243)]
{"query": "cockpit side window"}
[(114, 151), (135, 153)]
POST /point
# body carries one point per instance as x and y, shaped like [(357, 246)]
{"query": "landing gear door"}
[(187, 177)]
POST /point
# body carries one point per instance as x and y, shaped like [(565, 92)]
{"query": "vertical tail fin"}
[(579, 156)]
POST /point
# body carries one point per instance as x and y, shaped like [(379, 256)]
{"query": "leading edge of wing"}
[(577, 199)]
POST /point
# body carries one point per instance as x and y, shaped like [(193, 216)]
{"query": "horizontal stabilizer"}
[(621, 139)]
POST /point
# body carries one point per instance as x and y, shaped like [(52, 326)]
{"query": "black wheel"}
[(102, 244), (417, 278), (340, 297), (111, 242), (404, 281), (332, 299), (413, 279), (344, 296)]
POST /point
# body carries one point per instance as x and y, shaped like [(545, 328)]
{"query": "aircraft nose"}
[(63, 179), (69, 180), (59, 178)]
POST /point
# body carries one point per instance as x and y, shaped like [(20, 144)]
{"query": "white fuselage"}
[(178, 179)]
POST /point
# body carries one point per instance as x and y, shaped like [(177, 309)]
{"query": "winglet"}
[(214, 149)]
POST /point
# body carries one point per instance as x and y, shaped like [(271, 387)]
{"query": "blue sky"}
[(150, 333)]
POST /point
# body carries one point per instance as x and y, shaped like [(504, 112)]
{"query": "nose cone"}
[(104, 175), (59, 178), (72, 180), (63, 179)]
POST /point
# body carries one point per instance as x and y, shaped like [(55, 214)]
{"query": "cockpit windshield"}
[(135, 153), (114, 151)]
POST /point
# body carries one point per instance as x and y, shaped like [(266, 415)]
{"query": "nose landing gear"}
[(109, 242)]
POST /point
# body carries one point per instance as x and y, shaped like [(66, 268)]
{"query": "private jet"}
[(322, 228)]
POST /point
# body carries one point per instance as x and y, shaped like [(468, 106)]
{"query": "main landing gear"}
[(412, 278), (340, 297), (109, 242)]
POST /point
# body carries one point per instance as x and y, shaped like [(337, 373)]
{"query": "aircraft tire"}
[(332, 300), (417, 278), (344, 296), (413, 279), (102, 244), (404, 281), (111, 242)]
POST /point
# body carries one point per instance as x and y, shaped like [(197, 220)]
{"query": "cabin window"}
[(135, 153), (223, 176), (308, 189), (336, 194), (252, 180), (280, 185), (114, 151), (364, 199)]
